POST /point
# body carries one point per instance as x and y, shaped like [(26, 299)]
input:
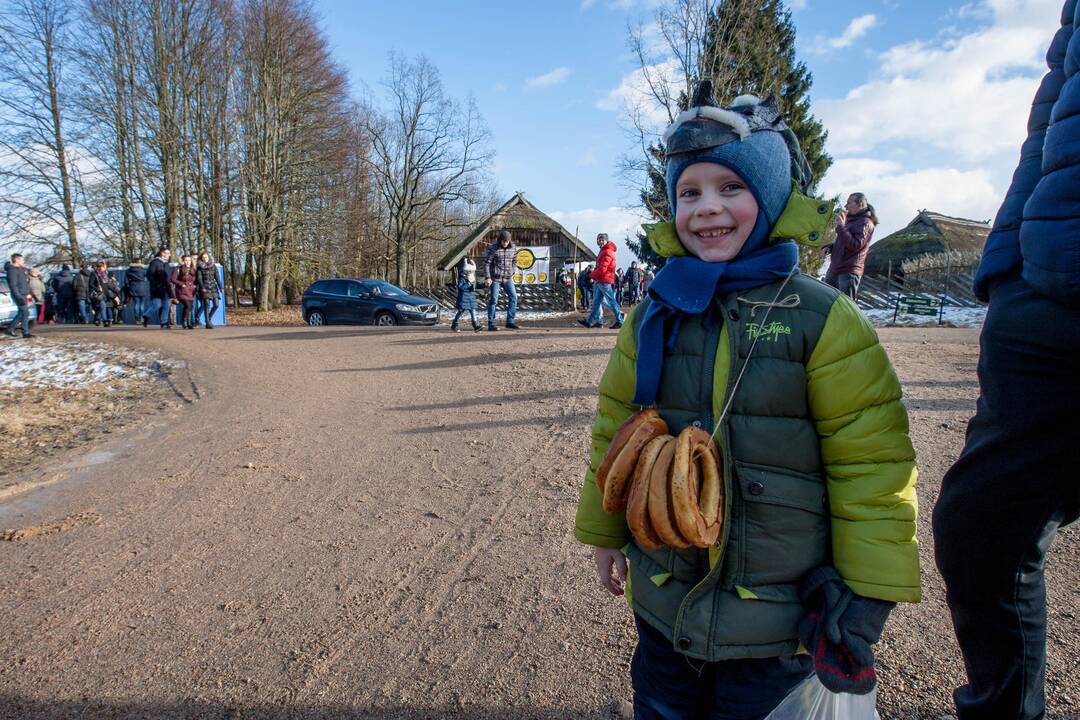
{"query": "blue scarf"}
[(687, 286)]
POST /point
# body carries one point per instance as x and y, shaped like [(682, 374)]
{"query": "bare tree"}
[(427, 151), (36, 181)]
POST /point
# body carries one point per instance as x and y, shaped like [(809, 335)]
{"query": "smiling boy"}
[(819, 471)]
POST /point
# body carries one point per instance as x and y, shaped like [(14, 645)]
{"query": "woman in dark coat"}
[(104, 294), (137, 289), (854, 230), (466, 294), (183, 282), (207, 288)]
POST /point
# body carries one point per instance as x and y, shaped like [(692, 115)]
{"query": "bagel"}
[(617, 483), (659, 502), (695, 487), (622, 435), (637, 514)]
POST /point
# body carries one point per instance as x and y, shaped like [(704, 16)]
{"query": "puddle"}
[(97, 457)]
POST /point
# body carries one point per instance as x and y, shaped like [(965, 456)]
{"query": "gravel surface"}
[(376, 523)]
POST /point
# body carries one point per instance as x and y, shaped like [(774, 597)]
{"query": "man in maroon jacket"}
[(603, 277), (854, 228)]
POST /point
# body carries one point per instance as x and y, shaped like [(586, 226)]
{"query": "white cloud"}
[(969, 96), (619, 223), (797, 4), (898, 194), (586, 4), (633, 96), (556, 76), (855, 30), (588, 157)]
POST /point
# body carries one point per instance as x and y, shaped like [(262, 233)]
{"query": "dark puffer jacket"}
[(206, 280), (500, 263), (157, 273), (63, 284), (82, 285), (135, 283), (852, 244), (1035, 228), (18, 282), (183, 282)]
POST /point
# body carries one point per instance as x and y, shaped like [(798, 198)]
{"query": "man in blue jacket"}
[(19, 285), (1018, 478)]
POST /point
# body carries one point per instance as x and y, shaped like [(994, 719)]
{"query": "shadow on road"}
[(940, 405), (556, 394), (493, 358), (483, 335), (33, 709), (501, 422)]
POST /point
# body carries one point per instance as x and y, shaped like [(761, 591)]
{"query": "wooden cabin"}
[(930, 233), (530, 228)]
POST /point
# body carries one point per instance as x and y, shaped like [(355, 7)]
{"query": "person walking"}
[(19, 285), (157, 275), (1016, 480), (183, 283), (500, 264), (63, 285), (82, 294), (208, 290), (854, 229), (466, 294), (37, 291), (584, 284), (603, 278), (137, 289), (619, 287), (104, 294), (634, 276)]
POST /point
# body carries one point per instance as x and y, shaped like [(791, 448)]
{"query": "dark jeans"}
[(65, 309), (670, 686), (187, 318), (158, 310), (23, 314), (1003, 501), (209, 307), (847, 283), (104, 310), (457, 317)]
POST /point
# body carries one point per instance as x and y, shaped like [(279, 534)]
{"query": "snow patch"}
[(952, 316), (72, 364)]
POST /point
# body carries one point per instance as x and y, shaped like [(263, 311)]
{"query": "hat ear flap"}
[(804, 220), (664, 240)]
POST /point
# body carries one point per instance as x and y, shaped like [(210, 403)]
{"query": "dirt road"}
[(367, 522)]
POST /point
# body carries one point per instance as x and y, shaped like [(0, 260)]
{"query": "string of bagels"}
[(670, 486)]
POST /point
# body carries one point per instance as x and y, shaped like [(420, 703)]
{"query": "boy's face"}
[(715, 211)]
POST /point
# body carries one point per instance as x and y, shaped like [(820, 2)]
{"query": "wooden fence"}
[(531, 298), (951, 285)]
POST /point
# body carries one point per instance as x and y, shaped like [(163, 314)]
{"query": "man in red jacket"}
[(603, 277)]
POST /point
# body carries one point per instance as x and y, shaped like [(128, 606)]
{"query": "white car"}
[(7, 305)]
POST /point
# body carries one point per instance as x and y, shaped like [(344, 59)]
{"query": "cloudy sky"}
[(925, 101)]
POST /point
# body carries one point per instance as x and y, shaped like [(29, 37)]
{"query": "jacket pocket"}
[(785, 528)]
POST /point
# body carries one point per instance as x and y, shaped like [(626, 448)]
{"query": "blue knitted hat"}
[(749, 137)]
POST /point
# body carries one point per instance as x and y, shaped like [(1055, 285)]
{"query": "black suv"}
[(365, 302)]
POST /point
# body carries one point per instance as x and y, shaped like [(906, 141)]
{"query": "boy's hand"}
[(606, 558)]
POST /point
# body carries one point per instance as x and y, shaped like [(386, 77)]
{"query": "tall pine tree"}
[(751, 51)]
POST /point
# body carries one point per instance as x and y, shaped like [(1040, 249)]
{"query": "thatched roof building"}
[(529, 228), (930, 233)]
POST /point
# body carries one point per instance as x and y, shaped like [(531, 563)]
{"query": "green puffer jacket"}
[(818, 468)]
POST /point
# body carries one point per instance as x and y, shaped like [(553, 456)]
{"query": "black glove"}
[(839, 630)]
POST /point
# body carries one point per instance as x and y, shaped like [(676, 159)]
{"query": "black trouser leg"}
[(1003, 500), (188, 320)]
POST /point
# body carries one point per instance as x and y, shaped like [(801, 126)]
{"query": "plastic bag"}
[(810, 700)]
